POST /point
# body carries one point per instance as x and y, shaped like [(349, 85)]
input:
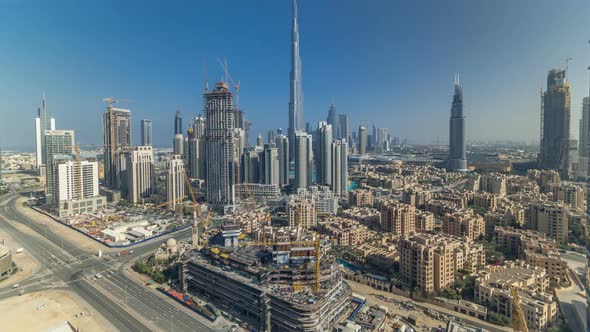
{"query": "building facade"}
[(75, 187), (140, 173), (303, 160), (146, 132), (219, 141), (362, 143), (302, 212), (175, 182), (555, 121), (397, 218), (282, 144), (56, 142), (116, 129), (457, 153)]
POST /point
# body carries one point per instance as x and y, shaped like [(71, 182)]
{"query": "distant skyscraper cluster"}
[(215, 149)]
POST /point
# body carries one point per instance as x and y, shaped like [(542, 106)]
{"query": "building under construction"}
[(276, 287)]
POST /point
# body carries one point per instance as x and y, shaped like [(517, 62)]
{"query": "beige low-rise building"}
[(360, 197), (346, 232), (484, 200), (430, 261), (424, 221), (416, 197), (492, 289), (249, 220), (534, 248), (572, 195), (493, 183), (464, 223), (365, 215), (440, 207)]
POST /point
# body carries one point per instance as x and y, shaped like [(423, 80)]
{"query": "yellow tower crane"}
[(518, 320)]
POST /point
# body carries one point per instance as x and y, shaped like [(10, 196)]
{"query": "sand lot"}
[(21, 313)]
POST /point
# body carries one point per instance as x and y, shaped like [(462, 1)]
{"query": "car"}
[(15, 285)]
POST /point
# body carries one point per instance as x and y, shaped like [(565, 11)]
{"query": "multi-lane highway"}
[(128, 305)]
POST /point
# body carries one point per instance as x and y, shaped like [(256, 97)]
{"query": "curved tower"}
[(296, 91), (457, 156)]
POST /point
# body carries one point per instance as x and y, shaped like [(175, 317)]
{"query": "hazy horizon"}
[(382, 62)]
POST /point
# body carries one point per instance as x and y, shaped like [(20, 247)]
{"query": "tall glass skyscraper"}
[(555, 122), (457, 160), (146, 132), (219, 141)]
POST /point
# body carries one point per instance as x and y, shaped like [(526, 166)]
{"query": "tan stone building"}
[(301, 211), (493, 183), (397, 218), (346, 232), (492, 289), (572, 195), (464, 223), (416, 197), (424, 221), (549, 218), (365, 215), (429, 261), (360, 197), (534, 248)]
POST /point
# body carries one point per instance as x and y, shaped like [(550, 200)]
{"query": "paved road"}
[(64, 265)]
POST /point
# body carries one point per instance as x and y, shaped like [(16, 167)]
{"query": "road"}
[(126, 304)]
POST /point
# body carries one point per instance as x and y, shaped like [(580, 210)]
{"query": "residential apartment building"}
[(492, 289), (75, 186), (398, 218), (140, 173), (345, 232), (302, 211), (429, 261), (549, 218), (175, 182), (534, 248), (360, 197), (464, 223)]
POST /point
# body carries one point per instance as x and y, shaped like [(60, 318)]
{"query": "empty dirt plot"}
[(44, 311)]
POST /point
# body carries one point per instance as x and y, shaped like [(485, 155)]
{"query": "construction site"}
[(282, 284)]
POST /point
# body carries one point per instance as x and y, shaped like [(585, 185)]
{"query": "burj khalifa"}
[(296, 122), (457, 155)]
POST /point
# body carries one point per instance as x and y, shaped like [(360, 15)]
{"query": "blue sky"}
[(383, 61)]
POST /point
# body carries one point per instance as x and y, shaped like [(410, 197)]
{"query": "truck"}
[(123, 253), (20, 250)]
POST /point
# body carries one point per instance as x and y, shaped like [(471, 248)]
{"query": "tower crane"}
[(196, 214), (236, 86), (518, 320)]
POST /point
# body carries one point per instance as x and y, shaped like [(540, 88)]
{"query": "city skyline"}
[(393, 95)]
